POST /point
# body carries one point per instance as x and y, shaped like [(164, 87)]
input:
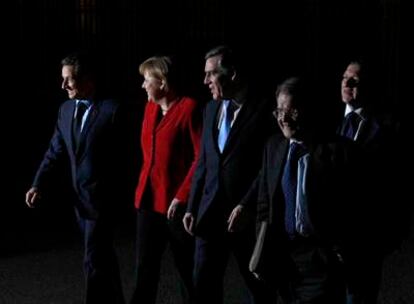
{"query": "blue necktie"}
[(227, 114), (289, 186), (351, 124)]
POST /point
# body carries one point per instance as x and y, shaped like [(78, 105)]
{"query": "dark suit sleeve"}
[(257, 262), (251, 197), (256, 198), (53, 158), (263, 200), (197, 183)]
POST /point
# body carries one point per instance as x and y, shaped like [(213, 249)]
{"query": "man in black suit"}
[(379, 216), (86, 138), (300, 201), (236, 125), (359, 122)]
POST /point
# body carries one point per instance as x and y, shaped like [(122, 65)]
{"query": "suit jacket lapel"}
[(368, 130), (211, 123), (165, 119), (245, 114), (153, 111), (236, 126), (277, 155), (68, 122)]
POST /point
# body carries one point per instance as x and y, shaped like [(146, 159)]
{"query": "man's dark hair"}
[(299, 88), (229, 60), (367, 82), (295, 87), (84, 64)]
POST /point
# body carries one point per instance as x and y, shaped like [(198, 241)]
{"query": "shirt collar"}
[(293, 140), (84, 101), (349, 109)]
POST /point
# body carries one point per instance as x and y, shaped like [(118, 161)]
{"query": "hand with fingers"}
[(32, 197)]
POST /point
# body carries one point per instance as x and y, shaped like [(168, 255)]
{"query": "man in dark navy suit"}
[(86, 137), (236, 124), (378, 219)]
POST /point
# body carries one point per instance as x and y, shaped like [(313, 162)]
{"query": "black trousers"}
[(153, 234), (103, 281), (211, 259), (317, 274), (364, 273)]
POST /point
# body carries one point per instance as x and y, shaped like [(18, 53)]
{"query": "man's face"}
[(76, 88), (287, 115), (350, 83), (216, 79)]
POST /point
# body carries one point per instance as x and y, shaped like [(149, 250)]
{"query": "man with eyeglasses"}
[(300, 201)]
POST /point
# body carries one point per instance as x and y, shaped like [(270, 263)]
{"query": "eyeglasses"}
[(280, 113), (351, 83)]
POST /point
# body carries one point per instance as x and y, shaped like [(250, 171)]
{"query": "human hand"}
[(188, 221), (32, 197), (234, 221), (172, 210)]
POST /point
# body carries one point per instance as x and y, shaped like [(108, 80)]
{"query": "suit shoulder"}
[(275, 138), (66, 104), (66, 108), (259, 98), (211, 103), (211, 106), (110, 102), (110, 105)]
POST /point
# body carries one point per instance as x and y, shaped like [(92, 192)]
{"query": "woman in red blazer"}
[(170, 138)]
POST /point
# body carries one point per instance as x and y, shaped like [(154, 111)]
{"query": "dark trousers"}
[(317, 275), (153, 234), (103, 281), (211, 258), (364, 273)]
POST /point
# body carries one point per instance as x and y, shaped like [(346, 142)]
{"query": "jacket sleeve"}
[(53, 157), (197, 183), (194, 129)]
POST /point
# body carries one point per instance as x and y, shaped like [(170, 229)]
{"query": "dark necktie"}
[(81, 108), (289, 187), (350, 125), (228, 113)]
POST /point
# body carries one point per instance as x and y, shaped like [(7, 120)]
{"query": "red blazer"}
[(170, 151)]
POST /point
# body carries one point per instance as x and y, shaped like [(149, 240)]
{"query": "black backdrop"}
[(279, 38)]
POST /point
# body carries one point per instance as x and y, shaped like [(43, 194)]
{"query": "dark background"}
[(278, 38)]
